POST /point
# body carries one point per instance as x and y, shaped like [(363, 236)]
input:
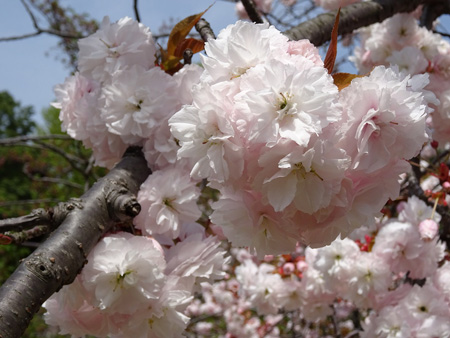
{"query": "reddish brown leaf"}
[(181, 30), (330, 58), (193, 44), (342, 80)]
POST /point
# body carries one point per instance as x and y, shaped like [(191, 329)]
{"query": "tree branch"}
[(21, 202), (59, 259), (318, 30), (52, 217), (73, 160), (136, 11), (204, 29), (25, 235), (251, 10), (432, 11), (25, 138), (39, 30)]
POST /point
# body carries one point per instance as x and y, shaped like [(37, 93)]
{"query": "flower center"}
[(285, 106)]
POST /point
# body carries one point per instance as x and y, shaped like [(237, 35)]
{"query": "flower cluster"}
[(382, 278), (135, 286), (120, 98), (293, 158), (413, 49)]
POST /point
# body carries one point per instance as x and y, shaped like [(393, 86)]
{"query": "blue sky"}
[(29, 69)]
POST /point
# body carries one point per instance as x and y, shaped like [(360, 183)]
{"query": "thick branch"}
[(58, 260), (318, 30)]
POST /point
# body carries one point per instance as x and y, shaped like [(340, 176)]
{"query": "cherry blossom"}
[(168, 198), (116, 46)]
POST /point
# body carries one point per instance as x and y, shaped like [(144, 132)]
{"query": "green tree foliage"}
[(14, 119)]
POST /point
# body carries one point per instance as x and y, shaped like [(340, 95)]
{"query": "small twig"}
[(25, 235), (442, 33), (51, 217), (251, 10), (53, 180), (22, 202), (73, 160), (37, 217), (187, 56), (20, 37), (17, 139), (39, 30), (136, 11)]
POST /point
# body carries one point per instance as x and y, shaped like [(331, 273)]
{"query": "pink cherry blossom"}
[(116, 46), (168, 198), (124, 272), (240, 47), (385, 118), (136, 101)]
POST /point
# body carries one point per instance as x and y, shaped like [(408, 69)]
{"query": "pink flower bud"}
[(428, 229), (288, 268)]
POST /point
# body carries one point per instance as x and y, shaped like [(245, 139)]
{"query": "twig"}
[(25, 235), (37, 217), (432, 11), (251, 10), (187, 56), (39, 30), (53, 180), (25, 138), (136, 11), (20, 37), (73, 160), (442, 33), (22, 202)]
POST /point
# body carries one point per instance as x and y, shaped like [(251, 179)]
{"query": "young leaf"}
[(181, 30), (193, 44), (342, 80), (330, 58)]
